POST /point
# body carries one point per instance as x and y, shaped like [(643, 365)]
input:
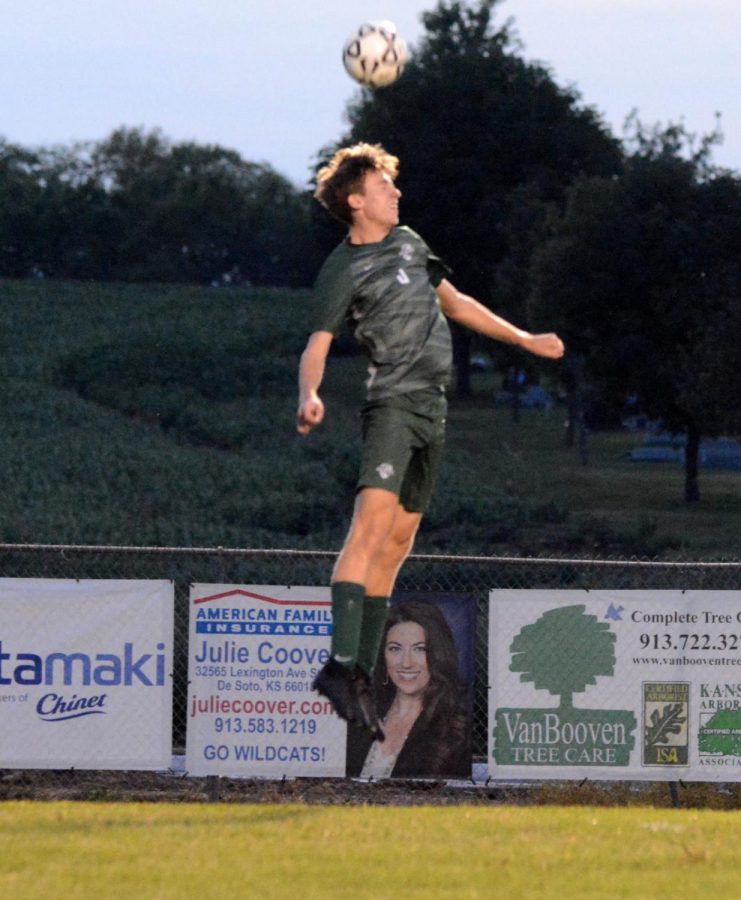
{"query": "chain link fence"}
[(475, 576)]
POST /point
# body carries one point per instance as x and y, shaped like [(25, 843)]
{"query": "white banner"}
[(254, 651), (85, 674), (635, 685)]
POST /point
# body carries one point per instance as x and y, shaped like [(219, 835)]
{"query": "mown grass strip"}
[(280, 851)]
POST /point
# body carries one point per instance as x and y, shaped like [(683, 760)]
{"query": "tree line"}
[(628, 247), (136, 207)]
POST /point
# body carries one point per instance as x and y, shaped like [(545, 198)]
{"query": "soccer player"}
[(394, 292)]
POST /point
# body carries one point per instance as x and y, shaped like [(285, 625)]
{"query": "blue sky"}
[(265, 78)]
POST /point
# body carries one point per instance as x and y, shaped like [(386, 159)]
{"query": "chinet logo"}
[(58, 708), (104, 669)]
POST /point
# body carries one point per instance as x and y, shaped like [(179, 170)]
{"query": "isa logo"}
[(666, 712)]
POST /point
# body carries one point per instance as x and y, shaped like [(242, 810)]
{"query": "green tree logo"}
[(564, 652)]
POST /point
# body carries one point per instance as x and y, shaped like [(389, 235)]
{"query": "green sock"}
[(375, 612), (347, 618)]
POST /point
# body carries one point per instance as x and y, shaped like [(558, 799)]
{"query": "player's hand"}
[(548, 345), (310, 414)]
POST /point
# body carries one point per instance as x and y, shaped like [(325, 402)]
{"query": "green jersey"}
[(386, 293)]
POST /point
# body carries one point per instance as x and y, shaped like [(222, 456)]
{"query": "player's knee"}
[(398, 545), (368, 536)]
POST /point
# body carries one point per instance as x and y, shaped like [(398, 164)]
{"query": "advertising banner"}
[(629, 685), (254, 651), (423, 687), (85, 674)]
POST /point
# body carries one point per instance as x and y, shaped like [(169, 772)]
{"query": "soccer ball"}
[(375, 55)]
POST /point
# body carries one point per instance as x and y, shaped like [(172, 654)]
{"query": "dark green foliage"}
[(186, 385), (165, 416), (641, 276), (178, 432), (597, 534), (135, 207), (107, 438)]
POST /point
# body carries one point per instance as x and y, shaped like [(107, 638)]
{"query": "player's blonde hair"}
[(344, 174)]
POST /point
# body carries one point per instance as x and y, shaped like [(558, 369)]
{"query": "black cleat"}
[(366, 705), (336, 683), (351, 695)]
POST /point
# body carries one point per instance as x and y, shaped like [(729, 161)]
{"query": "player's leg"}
[(415, 494), (400, 463), (340, 680), (395, 549), (380, 584), (387, 449), (374, 515)]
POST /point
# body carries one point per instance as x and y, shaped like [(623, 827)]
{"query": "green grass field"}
[(163, 416), (81, 850)]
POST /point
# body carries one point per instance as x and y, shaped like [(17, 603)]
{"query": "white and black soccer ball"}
[(375, 55)]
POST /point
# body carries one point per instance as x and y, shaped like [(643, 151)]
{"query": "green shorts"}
[(403, 441)]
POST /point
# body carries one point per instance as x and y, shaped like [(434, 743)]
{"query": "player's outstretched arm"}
[(310, 375), (474, 315)]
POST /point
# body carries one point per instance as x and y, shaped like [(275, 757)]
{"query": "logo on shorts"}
[(385, 470)]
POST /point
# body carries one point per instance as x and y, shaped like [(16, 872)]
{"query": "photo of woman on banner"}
[(422, 701)]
